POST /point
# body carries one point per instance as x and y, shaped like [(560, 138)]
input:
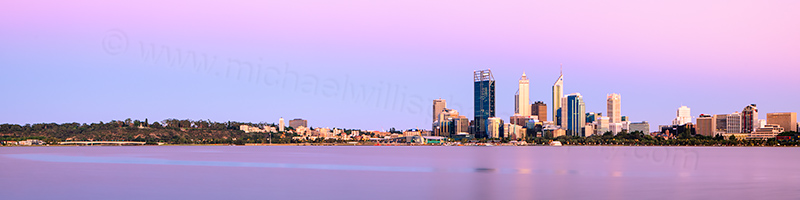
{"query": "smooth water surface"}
[(231, 172)]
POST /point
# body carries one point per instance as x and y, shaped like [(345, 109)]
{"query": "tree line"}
[(173, 131)]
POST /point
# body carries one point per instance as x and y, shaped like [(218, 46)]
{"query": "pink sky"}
[(734, 50)]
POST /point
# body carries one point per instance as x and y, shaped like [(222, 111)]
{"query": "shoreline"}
[(366, 145)]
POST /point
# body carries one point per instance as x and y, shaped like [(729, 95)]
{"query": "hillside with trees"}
[(171, 131)]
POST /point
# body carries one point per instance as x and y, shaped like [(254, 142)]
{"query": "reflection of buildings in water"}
[(484, 184)]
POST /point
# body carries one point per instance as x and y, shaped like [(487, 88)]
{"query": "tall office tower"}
[(614, 112), (539, 109), (575, 115), (788, 120), (484, 100), (558, 93), (438, 106), (734, 123), (684, 116), (523, 97), (750, 119), (281, 125), (706, 125)]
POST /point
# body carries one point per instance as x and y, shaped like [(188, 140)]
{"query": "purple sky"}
[(376, 65)]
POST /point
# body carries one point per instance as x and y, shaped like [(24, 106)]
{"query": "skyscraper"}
[(750, 119), (684, 116), (484, 100), (539, 109), (614, 111), (575, 114), (558, 92), (438, 106), (523, 97)]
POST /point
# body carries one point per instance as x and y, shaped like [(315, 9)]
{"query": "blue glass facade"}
[(484, 101), (576, 115)]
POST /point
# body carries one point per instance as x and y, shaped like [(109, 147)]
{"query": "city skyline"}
[(658, 60)]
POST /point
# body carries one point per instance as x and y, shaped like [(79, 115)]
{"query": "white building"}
[(558, 93), (734, 123), (762, 123), (281, 125), (523, 104), (614, 111), (301, 130), (684, 116), (251, 129), (615, 128)]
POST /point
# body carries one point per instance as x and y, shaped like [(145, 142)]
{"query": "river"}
[(284, 172)]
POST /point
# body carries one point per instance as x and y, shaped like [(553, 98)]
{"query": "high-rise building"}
[(281, 125), (684, 116), (296, 123), (438, 106), (539, 109), (575, 114), (721, 124), (614, 111), (787, 120), (734, 123), (603, 125), (450, 123), (591, 117), (523, 101), (494, 127), (460, 125), (484, 100), (750, 119), (643, 127), (558, 93), (706, 125)]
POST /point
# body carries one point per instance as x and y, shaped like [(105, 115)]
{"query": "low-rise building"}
[(767, 132), (643, 127), (251, 129), (513, 131)]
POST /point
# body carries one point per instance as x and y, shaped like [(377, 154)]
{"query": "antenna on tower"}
[(562, 68)]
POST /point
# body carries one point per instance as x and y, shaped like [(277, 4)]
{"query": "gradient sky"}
[(376, 64)]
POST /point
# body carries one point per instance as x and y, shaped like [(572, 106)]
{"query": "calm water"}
[(229, 172)]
